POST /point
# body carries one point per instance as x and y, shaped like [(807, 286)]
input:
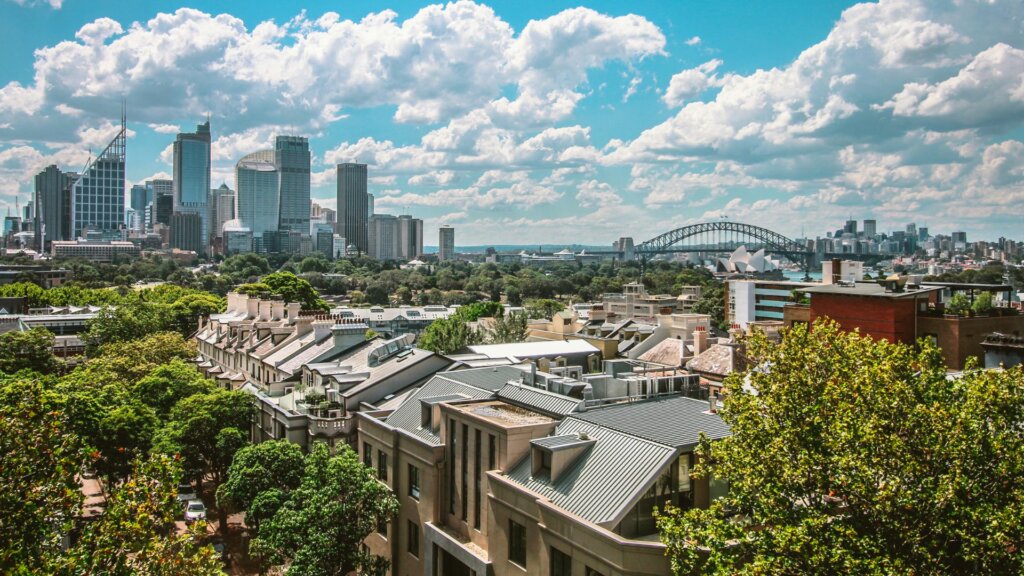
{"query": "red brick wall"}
[(881, 318)]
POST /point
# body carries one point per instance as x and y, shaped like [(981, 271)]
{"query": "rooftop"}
[(502, 413), (869, 289)]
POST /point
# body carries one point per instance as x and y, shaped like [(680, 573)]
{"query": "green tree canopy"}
[(39, 458), (28, 350), (196, 430), (510, 328), (135, 534), (320, 527), (275, 466), (169, 383), (543, 308), (449, 335), (850, 456)]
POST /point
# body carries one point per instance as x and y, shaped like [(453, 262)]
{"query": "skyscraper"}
[(51, 206), (352, 205), (291, 157), (383, 237), (257, 203), (97, 196), (222, 209), (185, 227), (446, 243), (137, 204), (192, 178), (870, 228), (850, 227), (410, 237)]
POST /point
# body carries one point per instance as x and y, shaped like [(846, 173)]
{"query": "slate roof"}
[(718, 359)]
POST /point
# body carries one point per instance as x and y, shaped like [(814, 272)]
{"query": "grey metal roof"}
[(562, 441), (491, 378), (605, 479), (675, 421), (540, 400), (409, 416)]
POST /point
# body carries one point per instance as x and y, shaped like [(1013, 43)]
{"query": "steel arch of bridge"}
[(720, 236)]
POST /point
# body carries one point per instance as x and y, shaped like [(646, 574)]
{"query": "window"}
[(413, 542), (382, 466), (591, 572), (382, 528), (517, 543), (451, 466), (492, 452), (561, 563), (476, 478), (414, 482), (367, 455), (465, 471)]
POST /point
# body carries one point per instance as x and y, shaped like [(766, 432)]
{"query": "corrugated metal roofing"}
[(554, 442), (408, 416), (674, 421), (540, 400), (492, 378), (604, 480), (532, 349)]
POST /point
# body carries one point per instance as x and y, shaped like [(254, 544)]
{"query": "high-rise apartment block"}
[(97, 196), (353, 203), (291, 158), (395, 238), (446, 243), (185, 231), (192, 180)]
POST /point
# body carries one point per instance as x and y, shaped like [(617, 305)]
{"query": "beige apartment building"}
[(501, 471)]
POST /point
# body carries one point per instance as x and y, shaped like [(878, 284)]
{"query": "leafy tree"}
[(982, 303), (295, 289), (543, 309), (510, 328), (39, 458), (320, 527), (513, 296), (169, 383), (958, 304), (207, 430), (135, 534), (244, 267), (712, 303), (31, 350), (124, 433), (261, 474), (376, 293), (449, 335), (850, 456), (129, 321), (477, 310), (370, 334), (188, 309)]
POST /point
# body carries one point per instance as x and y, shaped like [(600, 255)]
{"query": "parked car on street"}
[(195, 510)]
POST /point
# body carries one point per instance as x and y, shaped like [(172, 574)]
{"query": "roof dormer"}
[(554, 455)]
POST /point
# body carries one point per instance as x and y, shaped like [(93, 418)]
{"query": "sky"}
[(554, 122)]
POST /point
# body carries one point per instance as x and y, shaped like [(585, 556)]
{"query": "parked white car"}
[(195, 510)]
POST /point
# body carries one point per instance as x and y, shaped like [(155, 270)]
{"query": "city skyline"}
[(630, 125)]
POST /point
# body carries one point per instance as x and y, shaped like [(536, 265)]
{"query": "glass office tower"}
[(97, 196), (291, 157), (256, 196), (192, 178)]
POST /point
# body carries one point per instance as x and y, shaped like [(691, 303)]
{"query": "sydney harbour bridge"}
[(720, 238)]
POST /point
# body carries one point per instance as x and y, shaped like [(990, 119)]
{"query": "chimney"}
[(276, 309), (712, 403), (265, 307), (293, 309), (235, 302), (303, 326), (837, 271), (700, 339), (252, 307)]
